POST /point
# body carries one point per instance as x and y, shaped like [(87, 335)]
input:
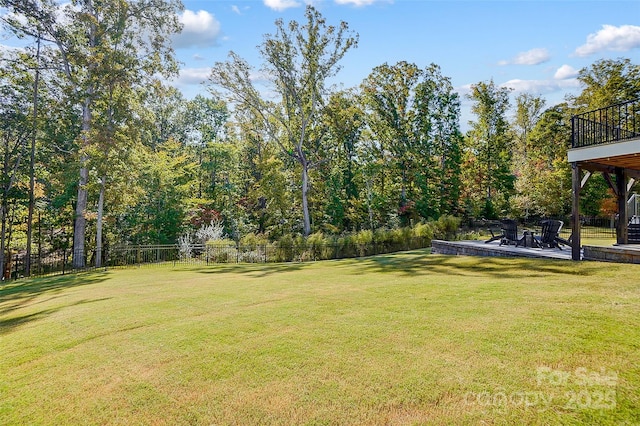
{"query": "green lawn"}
[(410, 338)]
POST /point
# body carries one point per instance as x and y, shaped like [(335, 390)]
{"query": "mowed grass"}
[(409, 338)]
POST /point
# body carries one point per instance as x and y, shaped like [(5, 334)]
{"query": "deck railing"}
[(614, 123)]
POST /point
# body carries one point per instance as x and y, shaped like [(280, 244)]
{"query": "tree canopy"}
[(120, 157)]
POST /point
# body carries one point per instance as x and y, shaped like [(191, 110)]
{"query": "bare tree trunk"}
[(80, 223), (3, 232), (99, 223), (305, 201), (32, 160)]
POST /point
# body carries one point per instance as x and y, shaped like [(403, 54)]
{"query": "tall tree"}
[(205, 120), (299, 59), (413, 116), (93, 37), (528, 111), (489, 148), (340, 194), (544, 176), (388, 93), (15, 134), (607, 82), (439, 123)]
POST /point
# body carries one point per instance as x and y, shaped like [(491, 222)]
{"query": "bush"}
[(283, 249), (221, 251), (252, 241), (423, 230), (446, 227), (363, 241), (320, 247)]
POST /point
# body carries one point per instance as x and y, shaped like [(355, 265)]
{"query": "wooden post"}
[(575, 211), (622, 230)]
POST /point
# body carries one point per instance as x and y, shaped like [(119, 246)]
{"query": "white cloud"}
[(530, 57), (200, 29), (190, 76), (620, 39), (565, 72), (281, 5), (236, 9), (540, 86)]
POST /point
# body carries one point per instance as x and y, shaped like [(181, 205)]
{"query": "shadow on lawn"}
[(16, 294), (7, 325), (421, 262), (258, 270)]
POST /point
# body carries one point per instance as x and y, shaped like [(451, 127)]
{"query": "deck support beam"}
[(622, 230), (575, 211)]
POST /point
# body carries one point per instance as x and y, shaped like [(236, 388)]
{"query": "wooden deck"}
[(618, 253)]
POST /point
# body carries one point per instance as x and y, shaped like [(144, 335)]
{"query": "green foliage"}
[(413, 116), (221, 251), (490, 183), (253, 241), (446, 227), (607, 82), (423, 230), (378, 167)]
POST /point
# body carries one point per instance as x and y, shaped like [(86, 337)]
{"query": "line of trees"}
[(96, 150)]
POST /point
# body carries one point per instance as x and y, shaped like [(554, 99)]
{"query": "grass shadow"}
[(7, 325), (420, 262), (15, 294), (257, 270)]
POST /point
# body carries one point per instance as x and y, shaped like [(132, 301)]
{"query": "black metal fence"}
[(590, 227), (615, 123), (61, 262)]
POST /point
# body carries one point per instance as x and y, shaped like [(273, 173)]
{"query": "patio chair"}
[(508, 233), (550, 234)]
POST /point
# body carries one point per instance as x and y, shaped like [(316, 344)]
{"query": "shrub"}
[(423, 230), (320, 247), (221, 251), (363, 241), (252, 241), (284, 249), (184, 247), (212, 231), (446, 227)]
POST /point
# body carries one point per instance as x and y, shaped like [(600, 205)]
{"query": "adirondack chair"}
[(508, 233), (550, 234)]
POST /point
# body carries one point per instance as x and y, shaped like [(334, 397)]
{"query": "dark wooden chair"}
[(508, 233), (550, 234)]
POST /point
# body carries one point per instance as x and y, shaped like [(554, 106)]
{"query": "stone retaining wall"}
[(620, 254)]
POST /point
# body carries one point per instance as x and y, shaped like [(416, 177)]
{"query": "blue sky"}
[(532, 46)]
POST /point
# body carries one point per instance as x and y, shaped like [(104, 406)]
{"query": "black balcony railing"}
[(614, 123)]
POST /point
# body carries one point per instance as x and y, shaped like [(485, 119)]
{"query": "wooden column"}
[(575, 211), (622, 230)]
